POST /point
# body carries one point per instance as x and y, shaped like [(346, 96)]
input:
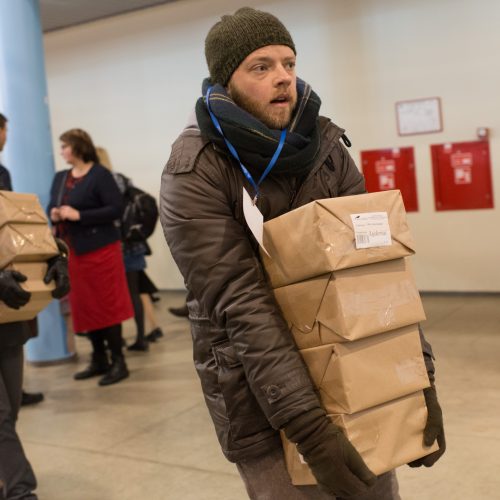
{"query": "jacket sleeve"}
[(110, 198), (219, 266), (350, 180)]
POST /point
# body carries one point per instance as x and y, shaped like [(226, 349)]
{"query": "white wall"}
[(132, 81)]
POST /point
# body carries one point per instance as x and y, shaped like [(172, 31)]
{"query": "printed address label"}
[(371, 229)]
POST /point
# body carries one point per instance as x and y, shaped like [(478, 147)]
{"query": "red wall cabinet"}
[(462, 175), (391, 169)]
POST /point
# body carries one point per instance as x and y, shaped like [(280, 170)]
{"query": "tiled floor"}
[(150, 437)]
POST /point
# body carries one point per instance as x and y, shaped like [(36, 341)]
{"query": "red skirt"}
[(99, 294)]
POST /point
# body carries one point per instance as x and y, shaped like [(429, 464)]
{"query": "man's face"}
[(265, 85), (3, 136)]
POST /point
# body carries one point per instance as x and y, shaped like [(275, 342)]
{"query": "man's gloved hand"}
[(433, 429), (58, 271), (10, 291), (335, 463)]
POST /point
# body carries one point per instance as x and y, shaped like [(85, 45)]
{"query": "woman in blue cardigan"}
[(85, 204)]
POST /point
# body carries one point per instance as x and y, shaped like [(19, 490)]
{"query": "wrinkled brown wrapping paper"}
[(20, 207), (318, 237), (40, 292), (26, 243), (351, 304), (354, 376), (386, 436)]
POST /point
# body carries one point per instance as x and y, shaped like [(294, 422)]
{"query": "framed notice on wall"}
[(419, 116)]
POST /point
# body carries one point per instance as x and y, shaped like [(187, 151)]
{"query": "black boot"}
[(99, 365), (31, 398), (117, 372), (139, 345), (154, 335), (182, 311)]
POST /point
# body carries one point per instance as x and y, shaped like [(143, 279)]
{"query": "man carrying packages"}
[(258, 129)]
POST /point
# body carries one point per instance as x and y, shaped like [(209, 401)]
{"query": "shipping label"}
[(371, 229)]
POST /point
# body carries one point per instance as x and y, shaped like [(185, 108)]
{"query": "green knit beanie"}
[(234, 37)]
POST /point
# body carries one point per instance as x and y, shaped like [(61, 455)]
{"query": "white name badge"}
[(371, 229), (254, 219)]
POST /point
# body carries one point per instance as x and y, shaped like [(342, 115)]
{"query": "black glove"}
[(10, 291), (433, 429), (58, 271), (335, 463)]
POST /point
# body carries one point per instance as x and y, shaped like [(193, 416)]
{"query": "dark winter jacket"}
[(253, 377), (5, 182), (100, 204)]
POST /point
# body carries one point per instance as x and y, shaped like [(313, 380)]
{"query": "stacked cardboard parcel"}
[(26, 243), (341, 275)]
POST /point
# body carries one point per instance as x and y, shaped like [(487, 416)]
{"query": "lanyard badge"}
[(233, 151)]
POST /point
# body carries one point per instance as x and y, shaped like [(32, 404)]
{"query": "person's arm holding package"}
[(214, 254)]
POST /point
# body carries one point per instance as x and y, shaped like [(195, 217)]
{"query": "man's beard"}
[(279, 119)]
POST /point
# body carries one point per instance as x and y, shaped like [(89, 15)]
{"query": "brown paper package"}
[(26, 243), (386, 436), (318, 237), (354, 376), (40, 292), (21, 208), (24, 232), (351, 304)]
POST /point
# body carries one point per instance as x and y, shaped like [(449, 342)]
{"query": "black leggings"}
[(112, 335), (135, 295)]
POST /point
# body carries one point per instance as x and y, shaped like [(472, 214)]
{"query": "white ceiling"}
[(58, 14)]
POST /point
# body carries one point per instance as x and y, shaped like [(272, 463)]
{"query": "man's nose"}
[(283, 76)]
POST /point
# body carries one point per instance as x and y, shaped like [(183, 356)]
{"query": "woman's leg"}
[(133, 286), (118, 370), (156, 331), (99, 363)]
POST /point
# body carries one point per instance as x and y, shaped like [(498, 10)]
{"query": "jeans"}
[(266, 478)]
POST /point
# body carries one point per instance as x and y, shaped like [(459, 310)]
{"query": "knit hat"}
[(234, 37)]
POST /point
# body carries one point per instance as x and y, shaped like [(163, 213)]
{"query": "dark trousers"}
[(16, 475), (266, 478)]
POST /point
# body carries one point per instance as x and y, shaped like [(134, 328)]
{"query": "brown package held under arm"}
[(386, 436), (319, 237), (20, 208), (354, 376), (40, 292), (26, 243), (351, 304)]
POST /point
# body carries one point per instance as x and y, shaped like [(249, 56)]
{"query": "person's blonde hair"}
[(103, 156)]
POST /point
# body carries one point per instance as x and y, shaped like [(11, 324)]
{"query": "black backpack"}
[(140, 215)]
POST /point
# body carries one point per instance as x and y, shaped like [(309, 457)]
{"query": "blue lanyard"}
[(233, 151)]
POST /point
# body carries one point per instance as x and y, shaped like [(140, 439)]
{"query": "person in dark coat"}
[(257, 120), (17, 479), (85, 205), (27, 398)]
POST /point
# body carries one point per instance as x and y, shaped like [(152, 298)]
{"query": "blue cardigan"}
[(100, 204)]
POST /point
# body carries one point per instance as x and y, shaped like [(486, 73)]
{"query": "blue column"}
[(28, 153)]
